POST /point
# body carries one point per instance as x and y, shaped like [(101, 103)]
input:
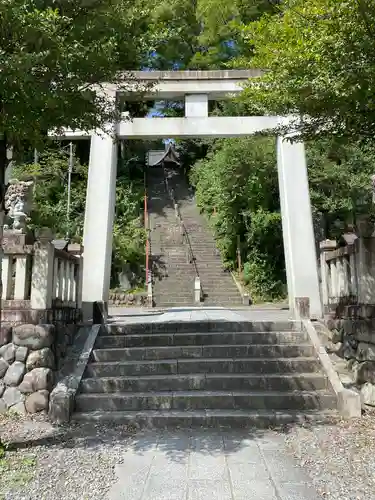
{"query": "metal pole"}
[(70, 169)]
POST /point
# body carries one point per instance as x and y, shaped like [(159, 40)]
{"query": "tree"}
[(55, 56), (319, 62), (202, 34)]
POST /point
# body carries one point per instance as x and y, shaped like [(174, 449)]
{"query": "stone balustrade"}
[(348, 273), (38, 277)]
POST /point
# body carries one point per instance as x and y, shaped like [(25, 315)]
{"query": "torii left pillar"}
[(99, 216)]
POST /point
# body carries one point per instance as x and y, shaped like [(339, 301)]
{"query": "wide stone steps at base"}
[(203, 365), (203, 373), (207, 351), (207, 418), (206, 382), (205, 400), (202, 339)]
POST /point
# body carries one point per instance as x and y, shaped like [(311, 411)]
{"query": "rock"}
[(2, 388), (368, 394), (336, 336), (33, 336), (3, 367), (18, 408), (37, 380), (3, 406), (21, 353), (8, 352), (42, 358), (5, 334), (38, 401), (14, 374), (12, 396), (365, 352), (364, 372)]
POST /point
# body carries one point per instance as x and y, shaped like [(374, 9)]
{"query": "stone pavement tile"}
[(129, 485), (297, 491), (242, 472), (207, 443), (254, 490), (209, 489), (171, 469), (271, 441), (242, 450), (207, 467), (283, 469), (163, 487), (133, 463)]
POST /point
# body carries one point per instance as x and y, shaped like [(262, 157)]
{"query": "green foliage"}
[(50, 178), (237, 188), (319, 57), (55, 53), (202, 34), (236, 185), (50, 201), (340, 182)]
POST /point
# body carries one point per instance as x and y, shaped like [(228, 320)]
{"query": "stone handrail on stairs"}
[(198, 291)]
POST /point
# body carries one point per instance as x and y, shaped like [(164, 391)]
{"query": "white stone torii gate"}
[(196, 88)]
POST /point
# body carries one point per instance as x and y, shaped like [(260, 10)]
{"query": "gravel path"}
[(67, 463), (339, 458), (77, 462)]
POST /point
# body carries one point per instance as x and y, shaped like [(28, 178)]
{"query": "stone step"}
[(202, 365), (207, 418), (207, 327), (181, 339), (217, 351), (206, 382), (205, 400)]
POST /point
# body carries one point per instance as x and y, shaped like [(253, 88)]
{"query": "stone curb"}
[(348, 401), (62, 397)]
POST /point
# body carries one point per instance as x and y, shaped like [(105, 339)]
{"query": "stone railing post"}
[(197, 290), (76, 249), (42, 273), (325, 247)]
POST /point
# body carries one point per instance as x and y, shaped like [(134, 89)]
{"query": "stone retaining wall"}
[(29, 357), (128, 299), (355, 340)]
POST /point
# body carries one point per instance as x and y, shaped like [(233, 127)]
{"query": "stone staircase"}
[(174, 274), (203, 373)]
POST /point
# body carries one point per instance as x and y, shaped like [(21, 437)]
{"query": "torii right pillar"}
[(298, 232)]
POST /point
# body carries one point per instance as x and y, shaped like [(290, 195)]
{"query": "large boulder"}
[(12, 396), (365, 351), (364, 372), (18, 408), (21, 353), (368, 394), (3, 367), (42, 358), (8, 352), (36, 402), (5, 334), (37, 380), (14, 374), (2, 388), (3, 406), (33, 336)]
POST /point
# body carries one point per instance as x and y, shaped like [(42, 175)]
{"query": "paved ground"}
[(208, 465), (140, 315)]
